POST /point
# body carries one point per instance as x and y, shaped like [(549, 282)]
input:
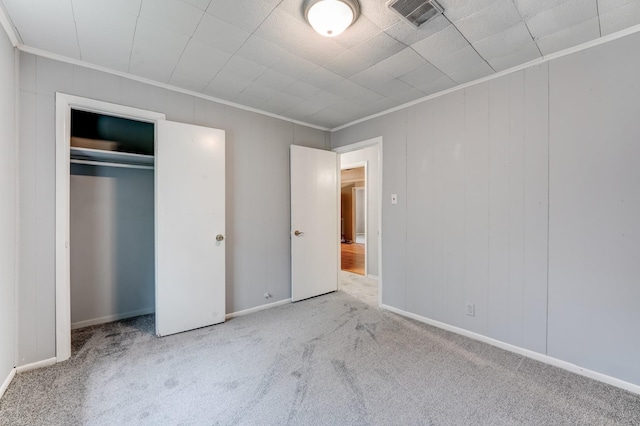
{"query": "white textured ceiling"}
[(262, 54)]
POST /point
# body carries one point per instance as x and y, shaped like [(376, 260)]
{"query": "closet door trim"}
[(64, 104)]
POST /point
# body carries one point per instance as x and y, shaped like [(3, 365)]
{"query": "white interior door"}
[(314, 222), (190, 222)]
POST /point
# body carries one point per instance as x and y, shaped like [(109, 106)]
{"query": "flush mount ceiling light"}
[(331, 17)]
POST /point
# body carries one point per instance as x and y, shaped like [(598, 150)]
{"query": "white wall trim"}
[(35, 365), (257, 309), (541, 60), (359, 145), (373, 277), (111, 318), (6, 24), (7, 381), (64, 103), (631, 387), (73, 61), (16, 266), (8, 27)]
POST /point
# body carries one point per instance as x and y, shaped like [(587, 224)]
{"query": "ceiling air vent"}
[(415, 12)]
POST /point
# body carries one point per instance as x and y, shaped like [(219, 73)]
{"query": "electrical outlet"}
[(267, 295), (471, 309)]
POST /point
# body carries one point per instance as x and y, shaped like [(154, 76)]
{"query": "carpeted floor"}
[(362, 288), (331, 360)]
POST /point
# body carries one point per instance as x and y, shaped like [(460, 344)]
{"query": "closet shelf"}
[(110, 158)]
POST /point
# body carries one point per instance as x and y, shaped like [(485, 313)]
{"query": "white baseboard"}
[(258, 308), (631, 387), (373, 277), (7, 381), (111, 318), (36, 365)]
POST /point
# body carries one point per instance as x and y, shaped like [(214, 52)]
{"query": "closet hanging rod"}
[(107, 164)]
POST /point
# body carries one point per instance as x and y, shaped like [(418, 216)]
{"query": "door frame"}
[(377, 142), (356, 165), (64, 104)]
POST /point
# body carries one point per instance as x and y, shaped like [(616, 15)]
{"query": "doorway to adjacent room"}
[(353, 217), (360, 220)]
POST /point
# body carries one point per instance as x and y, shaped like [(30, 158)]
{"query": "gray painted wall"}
[(257, 204), (371, 156), (8, 208), (465, 187), (495, 179), (112, 242), (594, 215)]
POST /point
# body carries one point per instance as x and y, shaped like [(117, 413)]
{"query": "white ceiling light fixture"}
[(331, 17)]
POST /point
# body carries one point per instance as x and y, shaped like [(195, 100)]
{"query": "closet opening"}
[(104, 219), (111, 201), (126, 245)]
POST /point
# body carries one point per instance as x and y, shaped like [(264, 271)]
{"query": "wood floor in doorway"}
[(352, 257)]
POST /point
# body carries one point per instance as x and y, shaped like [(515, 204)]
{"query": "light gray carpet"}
[(331, 360), (362, 288)]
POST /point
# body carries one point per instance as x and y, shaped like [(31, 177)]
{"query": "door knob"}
[(298, 233), (219, 237)]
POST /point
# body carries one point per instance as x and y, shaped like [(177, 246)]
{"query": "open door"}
[(190, 227), (314, 222)]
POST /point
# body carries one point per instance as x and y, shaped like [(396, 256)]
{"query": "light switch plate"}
[(394, 198)]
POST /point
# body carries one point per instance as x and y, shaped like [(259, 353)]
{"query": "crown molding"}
[(542, 60), (8, 27), (79, 62)]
